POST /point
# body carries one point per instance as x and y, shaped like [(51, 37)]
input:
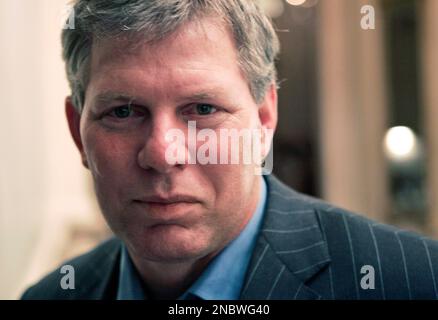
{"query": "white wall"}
[(43, 187)]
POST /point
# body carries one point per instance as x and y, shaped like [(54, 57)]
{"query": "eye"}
[(122, 112), (207, 115), (204, 109)]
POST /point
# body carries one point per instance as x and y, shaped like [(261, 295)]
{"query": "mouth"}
[(167, 200), (161, 206), (176, 209)]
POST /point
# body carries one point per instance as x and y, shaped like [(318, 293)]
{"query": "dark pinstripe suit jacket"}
[(306, 249)]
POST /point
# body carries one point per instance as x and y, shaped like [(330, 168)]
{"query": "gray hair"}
[(255, 38)]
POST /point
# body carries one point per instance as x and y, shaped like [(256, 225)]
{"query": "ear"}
[(268, 116), (74, 121)]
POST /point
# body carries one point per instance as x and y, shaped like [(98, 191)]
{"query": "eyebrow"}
[(202, 96), (111, 96)]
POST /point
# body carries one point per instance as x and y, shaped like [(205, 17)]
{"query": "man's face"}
[(166, 212)]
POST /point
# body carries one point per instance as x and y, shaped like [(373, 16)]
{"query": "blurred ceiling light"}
[(401, 144), (273, 8), (296, 2)]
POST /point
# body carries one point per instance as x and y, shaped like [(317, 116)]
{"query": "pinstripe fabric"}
[(306, 249), (320, 251), (96, 274)]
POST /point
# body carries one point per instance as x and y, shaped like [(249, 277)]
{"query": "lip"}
[(168, 210), (167, 200)]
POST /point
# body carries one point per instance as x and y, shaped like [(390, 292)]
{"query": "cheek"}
[(112, 163), (233, 179), (232, 185), (108, 155)]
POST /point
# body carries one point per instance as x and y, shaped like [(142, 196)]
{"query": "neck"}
[(168, 281)]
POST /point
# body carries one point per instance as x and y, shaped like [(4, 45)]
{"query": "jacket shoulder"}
[(92, 273), (333, 218), (404, 263)]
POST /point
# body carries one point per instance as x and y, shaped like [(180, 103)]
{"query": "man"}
[(185, 230)]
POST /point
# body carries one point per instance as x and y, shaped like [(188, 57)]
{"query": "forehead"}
[(205, 44)]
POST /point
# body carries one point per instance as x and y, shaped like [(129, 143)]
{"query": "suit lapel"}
[(98, 279), (290, 249)]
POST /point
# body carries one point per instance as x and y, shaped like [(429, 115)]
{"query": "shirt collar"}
[(129, 287), (224, 276)]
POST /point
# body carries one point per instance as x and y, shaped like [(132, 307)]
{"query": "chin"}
[(171, 244)]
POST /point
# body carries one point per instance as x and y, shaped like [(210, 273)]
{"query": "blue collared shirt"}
[(224, 276)]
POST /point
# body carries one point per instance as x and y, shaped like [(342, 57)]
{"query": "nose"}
[(152, 155)]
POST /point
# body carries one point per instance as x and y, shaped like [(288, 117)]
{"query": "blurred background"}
[(357, 108)]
